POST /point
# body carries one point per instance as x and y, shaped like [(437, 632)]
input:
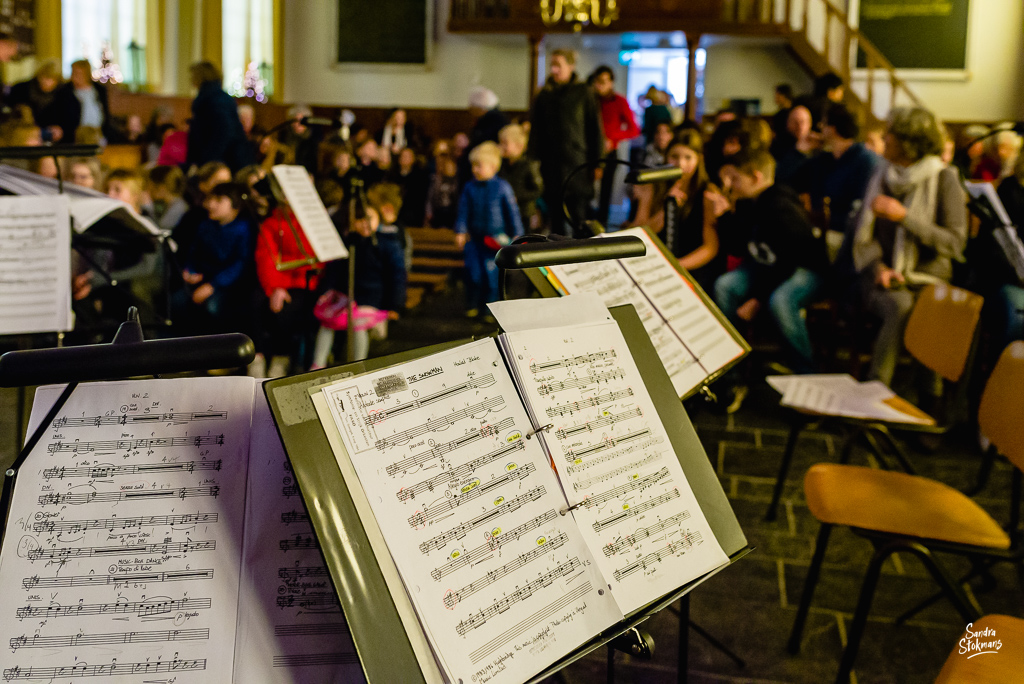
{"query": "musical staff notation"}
[(37, 641), (100, 580), (133, 444), (111, 524), (113, 669), (453, 476), (688, 540), (310, 659), (576, 406), (636, 510), (441, 423), (105, 471), (453, 597), (581, 360), (406, 464), (422, 517), (294, 574), (639, 483), (609, 443), (311, 630), (290, 517), (140, 608), (596, 479), (91, 551), (578, 383), (623, 543), (380, 416), (143, 418), (460, 531), (492, 545), (482, 616), (579, 466), (90, 497), (589, 426), (300, 542), (320, 603)]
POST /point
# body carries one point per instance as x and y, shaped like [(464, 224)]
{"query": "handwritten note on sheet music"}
[(35, 265), (470, 509), (615, 460), (290, 626), (309, 209), (124, 534)]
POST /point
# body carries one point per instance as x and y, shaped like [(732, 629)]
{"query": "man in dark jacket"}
[(83, 103), (215, 132), (565, 132)]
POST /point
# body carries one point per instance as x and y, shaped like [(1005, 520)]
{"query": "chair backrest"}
[(1001, 415), (940, 332)]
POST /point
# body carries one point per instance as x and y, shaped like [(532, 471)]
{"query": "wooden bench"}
[(436, 254)]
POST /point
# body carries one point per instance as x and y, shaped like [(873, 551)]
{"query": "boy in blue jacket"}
[(487, 216)]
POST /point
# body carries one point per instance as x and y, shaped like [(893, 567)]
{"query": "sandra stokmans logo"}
[(979, 643)]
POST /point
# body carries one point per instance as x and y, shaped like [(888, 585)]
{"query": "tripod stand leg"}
[(683, 666)]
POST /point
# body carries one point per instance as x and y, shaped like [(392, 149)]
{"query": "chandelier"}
[(579, 12)]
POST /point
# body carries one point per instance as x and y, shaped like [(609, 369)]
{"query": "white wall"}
[(738, 68), (459, 62)]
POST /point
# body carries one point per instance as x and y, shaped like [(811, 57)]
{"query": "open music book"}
[(692, 338), (525, 490), (157, 531)]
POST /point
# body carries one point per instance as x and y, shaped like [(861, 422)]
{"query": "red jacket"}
[(618, 120), (276, 243)]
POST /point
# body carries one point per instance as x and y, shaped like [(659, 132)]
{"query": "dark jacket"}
[(524, 176), (44, 106), (380, 277), (485, 128), (488, 209), (70, 111), (775, 238), (566, 132), (215, 133)]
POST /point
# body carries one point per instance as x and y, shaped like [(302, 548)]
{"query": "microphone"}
[(654, 174)]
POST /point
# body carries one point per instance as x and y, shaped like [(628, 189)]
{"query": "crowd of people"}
[(769, 214)]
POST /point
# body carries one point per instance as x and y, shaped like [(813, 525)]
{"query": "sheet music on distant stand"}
[(692, 342), (35, 265), (129, 538), (508, 564), (309, 209)]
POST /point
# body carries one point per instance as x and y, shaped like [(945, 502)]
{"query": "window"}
[(664, 68), (111, 34), (247, 36)]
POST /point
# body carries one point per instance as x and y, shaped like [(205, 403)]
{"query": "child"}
[(521, 173), (125, 185), (217, 259), (784, 256), (83, 171), (413, 181), (386, 200), (488, 216), (654, 153), (443, 198), (166, 190)]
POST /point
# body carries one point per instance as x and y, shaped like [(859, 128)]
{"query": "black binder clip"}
[(542, 428)]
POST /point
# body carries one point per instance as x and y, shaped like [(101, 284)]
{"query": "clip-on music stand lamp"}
[(536, 251), (128, 355)]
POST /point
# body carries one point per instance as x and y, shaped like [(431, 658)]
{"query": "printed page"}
[(631, 498), (503, 584), (35, 265), (610, 281), (682, 308), (123, 547), (309, 209), (291, 629)]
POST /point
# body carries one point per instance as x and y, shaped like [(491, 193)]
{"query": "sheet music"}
[(291, 629), (610, 281), (309, 209), (35, 265), (123, 544), (685, 312), (503, 584), (613, 455)]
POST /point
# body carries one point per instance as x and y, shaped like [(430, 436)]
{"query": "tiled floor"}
[(750, 606)]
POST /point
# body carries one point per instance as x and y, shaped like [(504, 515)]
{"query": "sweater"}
[(488, 208), (220, 252), (617, 119)]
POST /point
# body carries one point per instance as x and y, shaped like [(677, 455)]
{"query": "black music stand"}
[(128, 355)]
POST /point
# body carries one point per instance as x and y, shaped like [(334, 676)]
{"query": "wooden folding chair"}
[(901, 512), (940, 334)]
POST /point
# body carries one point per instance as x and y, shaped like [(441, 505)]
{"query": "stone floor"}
[(750, 606)]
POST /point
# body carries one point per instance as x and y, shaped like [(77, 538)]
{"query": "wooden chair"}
[(940, 335), (1003, 666), (901, 512)]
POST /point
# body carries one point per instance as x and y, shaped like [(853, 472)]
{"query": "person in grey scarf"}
[(914, 226)]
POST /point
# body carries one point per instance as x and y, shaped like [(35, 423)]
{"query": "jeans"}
[(893, 307), (481, 275), (785, 303)]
